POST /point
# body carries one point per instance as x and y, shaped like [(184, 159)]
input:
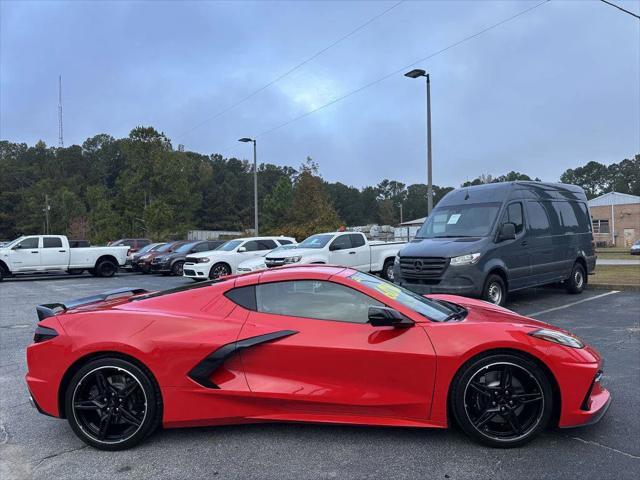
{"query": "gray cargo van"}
[(485, 241)]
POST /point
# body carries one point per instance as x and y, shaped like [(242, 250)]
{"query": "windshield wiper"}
[(458, 313)]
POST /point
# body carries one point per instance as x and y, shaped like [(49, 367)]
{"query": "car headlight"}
[(469, 259), (557, 337), (295, 259), (204, 260)]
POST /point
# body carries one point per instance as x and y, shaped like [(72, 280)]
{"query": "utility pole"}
[(60, 138), (255, 182), (47, 207)]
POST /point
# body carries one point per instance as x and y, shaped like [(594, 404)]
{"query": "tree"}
[(592, 178)]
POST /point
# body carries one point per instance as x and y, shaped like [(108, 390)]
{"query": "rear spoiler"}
[(47, 310)]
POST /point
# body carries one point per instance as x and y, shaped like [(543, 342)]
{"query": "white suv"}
[(225, 259)]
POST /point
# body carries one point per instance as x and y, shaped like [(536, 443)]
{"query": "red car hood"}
[(481, 311)]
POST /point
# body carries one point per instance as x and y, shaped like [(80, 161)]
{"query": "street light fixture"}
[(255, 182), (417, 73)]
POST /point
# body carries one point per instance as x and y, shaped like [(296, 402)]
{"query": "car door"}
[(540, 241), (362, 258), (322, 357), (341, 251), (515, 253), (25, 256), (53, 256)]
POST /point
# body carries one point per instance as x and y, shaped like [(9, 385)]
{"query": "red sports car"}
[(308, 343)]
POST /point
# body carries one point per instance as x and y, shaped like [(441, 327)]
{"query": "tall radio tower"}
[(60, 139)]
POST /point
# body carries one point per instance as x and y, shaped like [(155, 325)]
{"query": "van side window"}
[(538, 219), (514, 215), (582, 213), (567, 216)]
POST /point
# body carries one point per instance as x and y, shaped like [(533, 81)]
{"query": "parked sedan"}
[(173, 262), (144, 262), (306, 343), (635, 248), (258, 263), (134, 258)]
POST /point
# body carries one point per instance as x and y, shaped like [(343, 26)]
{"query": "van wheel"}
[(495, 290), (578, 279), (106, 268), (387, 270)]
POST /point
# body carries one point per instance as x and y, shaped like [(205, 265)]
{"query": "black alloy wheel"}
[(112, 404), (176, 268), (106, 268), (503, 400), (219, 270)]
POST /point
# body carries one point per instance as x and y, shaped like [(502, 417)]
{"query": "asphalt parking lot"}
[(36, 446)]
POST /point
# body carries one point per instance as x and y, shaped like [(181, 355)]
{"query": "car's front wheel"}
[(502, 400), (112, 404), (177, 269), (219, 270)]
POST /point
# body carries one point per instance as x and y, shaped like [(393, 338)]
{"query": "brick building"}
[(616, 219)]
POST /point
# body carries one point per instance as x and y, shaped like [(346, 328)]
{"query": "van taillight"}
[(42, 334)]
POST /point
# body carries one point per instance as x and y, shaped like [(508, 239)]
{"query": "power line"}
[(293, 69), (396, 72), (620, 8)]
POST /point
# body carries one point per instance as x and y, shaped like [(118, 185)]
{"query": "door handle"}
[(352, 253), (34, 251), (62, 251)]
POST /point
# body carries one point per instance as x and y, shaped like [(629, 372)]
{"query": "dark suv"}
[(488, 240), (172, 262)]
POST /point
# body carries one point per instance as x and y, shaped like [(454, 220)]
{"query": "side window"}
[(341, 243), (284, 242), (251, 246), (314, 299), (51, 242), (31, 242), (567, 216), (582, 213), (129, 243), (538, 219), (356, 240), (201, 247), (513, 214), (243, 296), (267, 244)]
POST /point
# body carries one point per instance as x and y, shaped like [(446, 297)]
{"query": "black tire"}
[(176, 268), (132, 409), (498, 409), (387, 270), (578, 279), (106, 268), (92, 271), (2, 273), (145, 269), (219, 270), (495, 291), (75, 271)]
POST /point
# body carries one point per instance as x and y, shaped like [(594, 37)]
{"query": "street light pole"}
[(417, 73), (255, 182)]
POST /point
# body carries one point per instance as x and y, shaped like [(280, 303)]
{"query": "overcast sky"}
[(549, 90)]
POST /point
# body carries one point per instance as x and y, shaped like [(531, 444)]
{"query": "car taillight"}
[(42, 334)]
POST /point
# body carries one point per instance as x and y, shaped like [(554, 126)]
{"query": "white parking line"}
[(573, 303)]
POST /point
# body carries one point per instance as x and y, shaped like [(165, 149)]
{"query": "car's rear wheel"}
[(219, 270), (502, 400), (495, 291), (112, 404), (106, 268), (578, 279), (177, 268), (387, 270)]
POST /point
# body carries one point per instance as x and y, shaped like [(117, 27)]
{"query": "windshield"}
[(427, 308), (147, 248), (316, 241), (231, 245), (166, 247), (469, 220), (13, 242), (185, 248)]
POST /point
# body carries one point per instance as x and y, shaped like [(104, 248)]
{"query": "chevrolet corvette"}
[(313, 343)]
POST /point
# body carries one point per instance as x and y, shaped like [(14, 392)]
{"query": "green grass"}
[(615, 253), (616, 274)]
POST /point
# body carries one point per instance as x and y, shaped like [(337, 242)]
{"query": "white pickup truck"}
[(51, 253), (349, 249)]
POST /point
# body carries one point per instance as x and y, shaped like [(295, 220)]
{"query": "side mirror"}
[(333, 247), (242, 249), (388, 317), (507, 232)]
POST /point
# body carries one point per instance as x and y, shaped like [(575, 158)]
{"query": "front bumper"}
[(467, 280), (198, 271), (161, 267)]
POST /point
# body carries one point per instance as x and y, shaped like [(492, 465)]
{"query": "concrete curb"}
[(612, 286)]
